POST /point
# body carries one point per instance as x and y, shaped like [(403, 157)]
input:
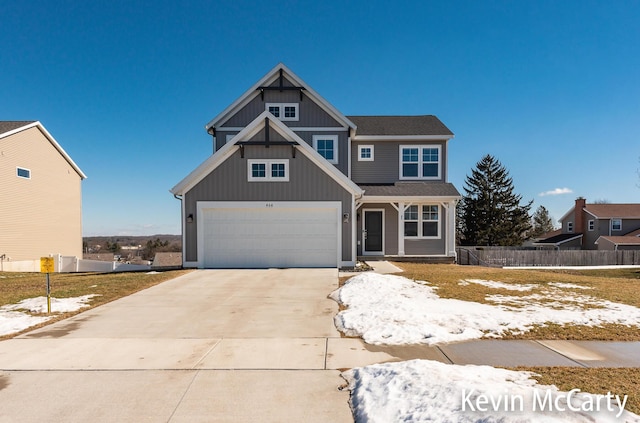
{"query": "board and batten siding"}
[(309, 112), (229, 182), (385, 168), (41, 215)]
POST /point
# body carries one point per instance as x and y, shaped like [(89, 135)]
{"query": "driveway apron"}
[(209, 346)]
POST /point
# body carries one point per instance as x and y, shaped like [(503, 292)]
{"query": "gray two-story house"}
[(602, 226), (293, 182)]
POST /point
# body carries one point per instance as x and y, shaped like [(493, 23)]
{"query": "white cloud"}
[(557, 191)]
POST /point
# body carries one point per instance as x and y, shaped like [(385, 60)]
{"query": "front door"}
[(372, 234)]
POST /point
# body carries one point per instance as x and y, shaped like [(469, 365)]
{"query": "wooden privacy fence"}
[(479, 256)]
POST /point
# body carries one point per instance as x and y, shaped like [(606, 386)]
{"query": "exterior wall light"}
[(345, 217), (190, 218)]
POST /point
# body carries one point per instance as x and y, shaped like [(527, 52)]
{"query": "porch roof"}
[(411, 189)]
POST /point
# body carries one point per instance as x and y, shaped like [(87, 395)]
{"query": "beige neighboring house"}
[(40, 191)]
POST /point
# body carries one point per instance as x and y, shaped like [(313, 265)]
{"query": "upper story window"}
[(23, 173), (616, 224), (570, 227), (365, 153), (327, 147), (422, 221), (592, 225), (283, 111), (420, 162), (268, 170)]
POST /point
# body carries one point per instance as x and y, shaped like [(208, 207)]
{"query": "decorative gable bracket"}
[(280, 87), (267, 142)]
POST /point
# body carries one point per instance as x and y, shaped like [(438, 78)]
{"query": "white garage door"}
[(260, 235)]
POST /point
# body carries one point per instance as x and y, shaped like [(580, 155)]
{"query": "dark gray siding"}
[(310, 114), (385, 169), (343, 146), (412, 247), (390, 227), (229, 182)]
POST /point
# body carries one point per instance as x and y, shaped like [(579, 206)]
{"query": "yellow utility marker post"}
[(47, 266)]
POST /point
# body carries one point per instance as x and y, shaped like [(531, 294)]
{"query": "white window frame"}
[(421, 220), (592, 225), (614, 225), (18, 169), (334, 138), (268, 170), (570, 227), (229, 137), (420, 162), (281, 109), (365, 159)]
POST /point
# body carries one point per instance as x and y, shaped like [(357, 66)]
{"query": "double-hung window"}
[(327, 147), (268, 170), (284, 111), (422, 221), (420, 161), (616, 224)]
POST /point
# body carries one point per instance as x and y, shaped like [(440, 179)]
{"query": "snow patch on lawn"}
[(568, 285), (13, 320), (500, 285), (429, 391), (393, 310)]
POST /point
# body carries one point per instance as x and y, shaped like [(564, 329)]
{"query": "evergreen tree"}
[(490, 212), (541, 222)]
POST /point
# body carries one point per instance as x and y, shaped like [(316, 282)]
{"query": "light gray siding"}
[(385, 168), (229, 182)]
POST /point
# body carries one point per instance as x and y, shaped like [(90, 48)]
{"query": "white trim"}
[(365, 159), (407, 199), (420, 221), (267, 170), (201, 206), (420, 162), (293, 128), (19, 168), (253, 128), (270, 78), (333, 138), (402, 137), (52, 140), (611, 224), (281, 110), (591, 225), (364, 225)]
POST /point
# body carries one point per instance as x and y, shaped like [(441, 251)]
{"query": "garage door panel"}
[(270, 237)]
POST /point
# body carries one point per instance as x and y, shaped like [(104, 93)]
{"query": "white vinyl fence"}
[(70, 264)]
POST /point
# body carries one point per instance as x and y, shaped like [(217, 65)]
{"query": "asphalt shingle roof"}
[(399, 125), (10, 125), (558, 239), (604, 211), (411, 189)]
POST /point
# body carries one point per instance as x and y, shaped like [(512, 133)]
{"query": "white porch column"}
[(451, 228), (401, 229)]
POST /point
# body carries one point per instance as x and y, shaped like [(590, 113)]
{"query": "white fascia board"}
[(567, 214), (403, 137), (52, 140), (314, 156), (269, 78), (253, 128), (206, 167), (408, 199)]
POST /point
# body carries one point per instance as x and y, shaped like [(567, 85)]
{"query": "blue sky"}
[(551, 88)]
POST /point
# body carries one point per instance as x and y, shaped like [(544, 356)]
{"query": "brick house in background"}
[(597, 227)]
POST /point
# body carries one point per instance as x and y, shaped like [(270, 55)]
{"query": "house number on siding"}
[(269, 205)]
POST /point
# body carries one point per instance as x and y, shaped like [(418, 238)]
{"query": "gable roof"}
[(424, 126), (604, 211), (250, 130), (11, 127), (621, 240), (268, 79)]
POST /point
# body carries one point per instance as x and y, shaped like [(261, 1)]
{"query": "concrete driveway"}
[(210, 346)]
